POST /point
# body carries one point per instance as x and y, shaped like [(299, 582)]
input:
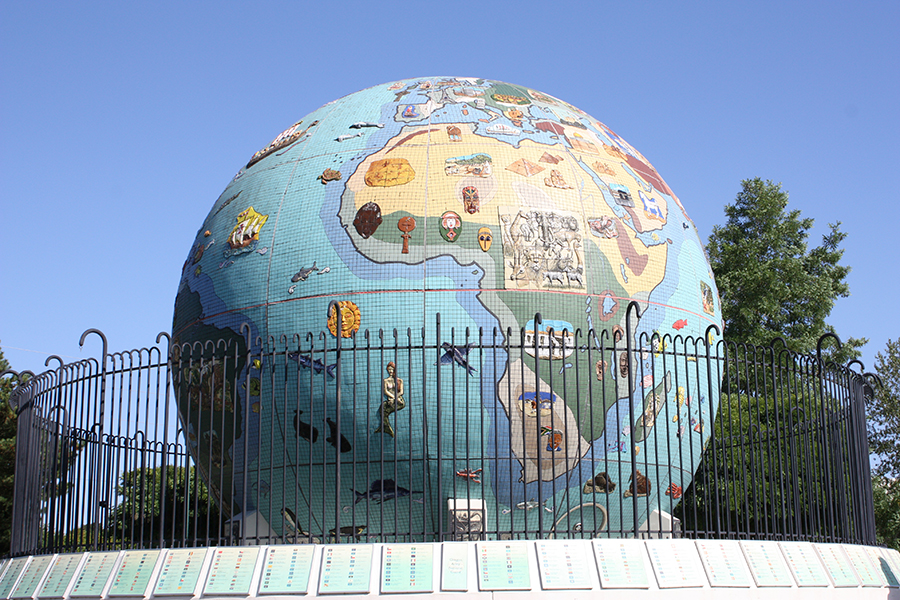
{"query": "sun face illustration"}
[(350, 317)]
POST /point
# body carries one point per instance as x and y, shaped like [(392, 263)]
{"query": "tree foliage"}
[(886, 494), (883, 412), (178, 504), (771, 283), (7, 457)]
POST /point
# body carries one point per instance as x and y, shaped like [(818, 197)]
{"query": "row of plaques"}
[(411, 568)]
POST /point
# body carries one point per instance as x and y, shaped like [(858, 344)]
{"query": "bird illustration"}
[(458, 355)]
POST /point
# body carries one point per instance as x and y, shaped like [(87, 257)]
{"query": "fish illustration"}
[(332, 439), (316, 365), (302, 274), (305, 430), (381, 490), (292, 289), (325, 270), (679, 324), (361, 124), (343, 138), (528, 505), (458, 355)]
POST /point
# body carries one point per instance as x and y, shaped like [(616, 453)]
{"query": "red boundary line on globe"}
[(477, 291)]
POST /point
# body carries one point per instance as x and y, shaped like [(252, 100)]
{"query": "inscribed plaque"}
[(133, 574), (563, 565), (503, 566), (346, 569), (286, 570), (837, 565), (675, 564), (61, 574), (804, 564), (724, 563), (621, 564), (893, 560), (455, 567), (876, 555), (231, 571), (180, 572), (869, 574), (407, 568), (31, 576), (766, 564), (16, 566), (89, 583)]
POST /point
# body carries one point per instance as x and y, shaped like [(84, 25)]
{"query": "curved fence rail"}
[(185, 445)]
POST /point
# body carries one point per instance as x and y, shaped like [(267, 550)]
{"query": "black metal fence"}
[(498, 435)]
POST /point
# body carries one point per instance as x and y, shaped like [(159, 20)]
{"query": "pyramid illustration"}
[(549, 158), (525, 167)]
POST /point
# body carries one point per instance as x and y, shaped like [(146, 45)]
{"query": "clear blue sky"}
[(122, 122)]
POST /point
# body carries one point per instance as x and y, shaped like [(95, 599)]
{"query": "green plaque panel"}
[(231, 571), (869, 575), (893, 558), (94, 574), (286, 570), (804, 564), (32, 576), (724, 563), (455, 567), (133, 575), (675, 564), (837, 565), (621, 564), (346, 569), (882, 564), (407, 568), (61, 574), (563, 565), (766, 564), (3, 563), (503, 566), (180, 572), (16, 566)]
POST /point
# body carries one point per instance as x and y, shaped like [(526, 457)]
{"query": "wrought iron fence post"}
[(164, 469), (712, 430), (629, 340), (21, 400), (820, 381), (538, 320), (440, 430), (100, 418), (339, 331)]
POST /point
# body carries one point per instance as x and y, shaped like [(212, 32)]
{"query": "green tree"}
[(7, 457), (771, 283), (181, 506), (766, 471), (883, 412), (886, 494)]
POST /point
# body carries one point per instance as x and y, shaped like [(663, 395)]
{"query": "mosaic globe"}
[(504, 274)]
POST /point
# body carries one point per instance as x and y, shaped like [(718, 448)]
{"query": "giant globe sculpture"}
[(482, 202)]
